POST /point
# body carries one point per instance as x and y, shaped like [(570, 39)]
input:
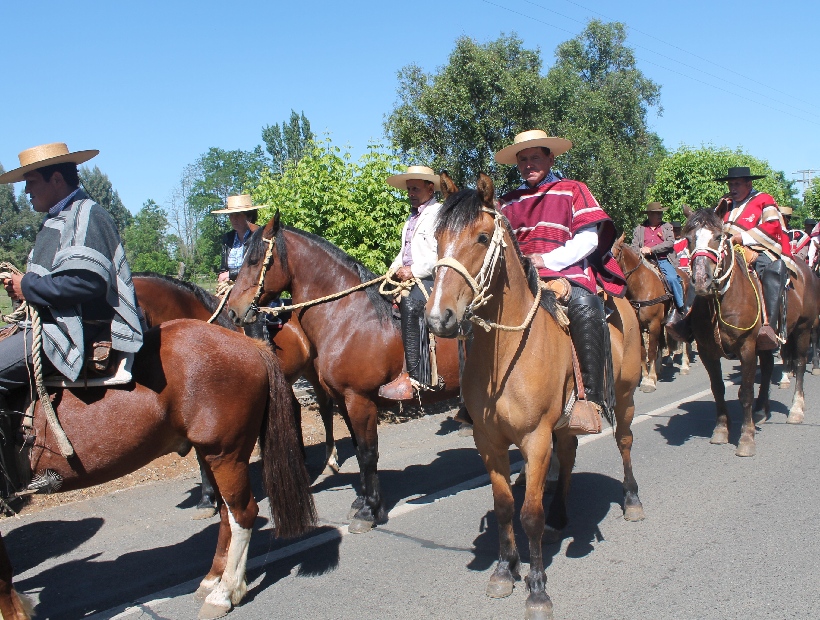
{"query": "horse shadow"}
[(589, 503), (33, 543), (136, 573)]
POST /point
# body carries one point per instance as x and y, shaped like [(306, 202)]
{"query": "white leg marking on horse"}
[(232, 587), (209, 583)]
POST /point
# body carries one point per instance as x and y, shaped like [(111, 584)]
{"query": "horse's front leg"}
[(497, 461), (624, 414), (722, 423), (645, 381), (650, 381), (565, 447), (762, 406), (748, 368), (369, 506)]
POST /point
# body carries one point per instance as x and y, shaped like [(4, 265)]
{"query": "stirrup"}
[(767, 339), (400, 389), (585, 418)]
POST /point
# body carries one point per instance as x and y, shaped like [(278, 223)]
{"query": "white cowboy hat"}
[(45, 155), (529, 139), (399, 181), (237, 204)]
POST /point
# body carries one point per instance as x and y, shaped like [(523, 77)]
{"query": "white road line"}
[(123, 611)]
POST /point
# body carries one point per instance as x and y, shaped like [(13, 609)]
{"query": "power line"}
[(806, 180)]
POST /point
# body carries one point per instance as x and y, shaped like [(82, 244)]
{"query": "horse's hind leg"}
[(566, 446), (207, 506), (762, 407), (240, 511), (326, 412), (802, 340), (370, 505)]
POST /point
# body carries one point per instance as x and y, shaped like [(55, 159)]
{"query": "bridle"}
[(720, 278), (253, 308)]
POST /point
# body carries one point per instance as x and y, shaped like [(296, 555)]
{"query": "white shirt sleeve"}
[(573, 251), (747, 239), (812, 252)]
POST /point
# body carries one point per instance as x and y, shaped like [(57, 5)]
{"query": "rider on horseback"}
[(567, 235), (77, 277), (656, 238), (754, 221), (415, 261)]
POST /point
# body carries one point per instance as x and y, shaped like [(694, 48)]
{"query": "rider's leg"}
[(773, 279), (675, 284), (15, 358)]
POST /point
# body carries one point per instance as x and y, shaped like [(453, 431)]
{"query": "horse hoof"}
[(815, 371), (634, 513), (795, 417), (209, 611), (538, 609), (746, 448), (202, 593), (784, 385), (720, 436), (551, 535), (360, 526), (648, 388), (684, 371), (499, 588), (465, 430), (204, 512)]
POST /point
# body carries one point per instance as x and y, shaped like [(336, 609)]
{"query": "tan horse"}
[(516, 383)]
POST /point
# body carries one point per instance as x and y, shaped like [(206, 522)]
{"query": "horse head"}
[(708, 245), (261, 276), (464, 231)]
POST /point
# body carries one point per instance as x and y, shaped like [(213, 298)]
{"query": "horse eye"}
[(483, 238)]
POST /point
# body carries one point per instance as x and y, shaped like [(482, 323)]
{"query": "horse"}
[(178, 400), (516, 384), (163, 298), (357, 342), (648, 296), (726, 318)]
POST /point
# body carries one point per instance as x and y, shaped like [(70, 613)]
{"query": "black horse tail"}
[(283, 466)]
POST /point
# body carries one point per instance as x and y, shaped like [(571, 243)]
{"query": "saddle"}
[(103, 367)]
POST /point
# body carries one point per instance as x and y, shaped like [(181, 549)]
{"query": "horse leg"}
[(685, 355), (537, 455), (497, 461), (649, 383), (207, 585), (722, 423), (624, 413), (206, 508), (13, 606), (370, 506), (644, 359), (233, 480), (815, 341), (748, 368), (326, 412), (802, 340), (762, 406), (566, 445)]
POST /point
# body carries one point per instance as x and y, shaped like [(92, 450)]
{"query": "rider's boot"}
[(679, 325), (773, 281), (412, 331), (206, 508), (590, 335)]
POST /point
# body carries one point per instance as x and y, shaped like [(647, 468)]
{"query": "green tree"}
[(346, 202), (19, 224), (99, 188), (288, 142), (810, 207), (146, 241), (600, 100), (456, 119), (688, 175)]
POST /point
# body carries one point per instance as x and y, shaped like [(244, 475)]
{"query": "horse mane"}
[(703, 218), (256, 251), (204, 297), (462, 209)]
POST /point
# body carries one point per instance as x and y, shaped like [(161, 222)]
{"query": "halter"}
[(720, 281), (260, 285)]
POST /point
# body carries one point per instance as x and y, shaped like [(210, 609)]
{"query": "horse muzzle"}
[(442, 322), (249, 317)]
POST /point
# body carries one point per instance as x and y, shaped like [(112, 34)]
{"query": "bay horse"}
[(726, 318), (177, 401), (516, 384), (163, 298), (358, 344), (651, 301)]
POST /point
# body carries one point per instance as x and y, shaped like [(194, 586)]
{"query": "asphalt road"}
[(725, 537)]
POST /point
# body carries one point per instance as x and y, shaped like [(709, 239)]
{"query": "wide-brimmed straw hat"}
[(399, 181), (741, 172), (785, 210), (237, 204), (528, 140), (655, 207), (45, 155)]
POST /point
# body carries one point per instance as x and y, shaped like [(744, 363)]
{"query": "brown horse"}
[(163, 298), (358, 345), (647, 294), (178, 400), (516, 384)]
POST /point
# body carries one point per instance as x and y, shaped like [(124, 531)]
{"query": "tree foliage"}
[(810, 207), (147, 244), (19, 224), (688, 175), (99, 188), (346, 202), (288, 142)]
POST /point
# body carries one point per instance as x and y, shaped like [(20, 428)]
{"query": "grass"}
[(5, 304)]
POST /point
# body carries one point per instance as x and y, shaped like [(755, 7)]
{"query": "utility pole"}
[(806, 180)]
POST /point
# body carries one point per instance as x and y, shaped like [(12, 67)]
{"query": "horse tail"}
[(283, 466)]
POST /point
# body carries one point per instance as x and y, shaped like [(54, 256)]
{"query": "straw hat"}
[(399, 181), (45, 155), (237, 204), (786, 210), (529, 139), (655, 207)]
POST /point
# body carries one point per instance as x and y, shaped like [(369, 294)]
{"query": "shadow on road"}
[(32, 544)]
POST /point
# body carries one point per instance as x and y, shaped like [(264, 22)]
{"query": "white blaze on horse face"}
[(702, 239)]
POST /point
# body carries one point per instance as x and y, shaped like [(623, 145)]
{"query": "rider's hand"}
[(404, 273), (13, 286), (737, 239), (223, 277), (537, 261), (646, 250)]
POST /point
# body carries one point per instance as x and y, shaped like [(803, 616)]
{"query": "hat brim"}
[(557, 146), (399, 181), (237, 210), (751, 177), (661, 210), (77, 157)]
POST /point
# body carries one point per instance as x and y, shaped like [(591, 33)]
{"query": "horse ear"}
[(448, 187), (620, 240), (486, 190), (687, 211), (275, 223)]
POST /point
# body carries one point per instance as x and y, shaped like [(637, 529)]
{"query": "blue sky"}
[(154, 84)]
